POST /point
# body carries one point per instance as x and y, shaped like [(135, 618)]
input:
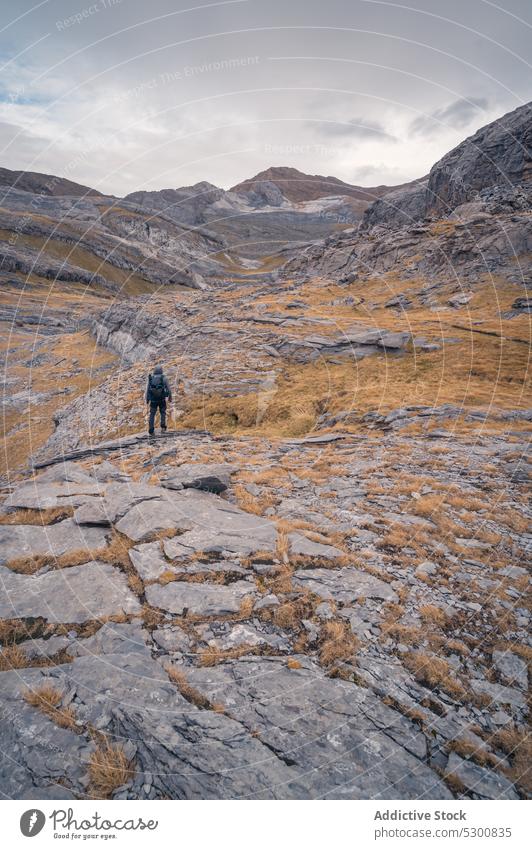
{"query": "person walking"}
[(157, 393)]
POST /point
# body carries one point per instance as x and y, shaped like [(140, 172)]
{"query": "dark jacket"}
[(168, 392)]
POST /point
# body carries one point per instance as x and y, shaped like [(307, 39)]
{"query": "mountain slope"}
[(470, 218), (499, 154), (299, 187), (43, 184)]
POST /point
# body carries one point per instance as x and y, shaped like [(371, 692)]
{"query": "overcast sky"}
[(125, 94)]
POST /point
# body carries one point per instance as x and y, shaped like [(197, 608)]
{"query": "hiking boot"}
[(151, 433), (163, 429)]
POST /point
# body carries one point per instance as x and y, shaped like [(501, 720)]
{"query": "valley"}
[(350, 616)]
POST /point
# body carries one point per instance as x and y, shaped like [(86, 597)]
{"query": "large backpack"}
[(157, 388)]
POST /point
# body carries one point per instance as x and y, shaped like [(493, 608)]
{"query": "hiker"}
[(157, 391)]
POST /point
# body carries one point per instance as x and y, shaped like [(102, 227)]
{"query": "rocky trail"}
[(316, 631)]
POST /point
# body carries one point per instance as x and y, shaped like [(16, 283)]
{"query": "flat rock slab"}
[(321, 439), (244, 634), (200, 599), (89, 591), (71, 472), (119, 499), (483, 783), (189, 472), (92, 512), (301, 545), (343, 585), (211, 524), (511, 667), (149, 561), (38, 495), (149, 517), (37, 755), (343, 742), (499, 694), (54, 540), (113, 638)]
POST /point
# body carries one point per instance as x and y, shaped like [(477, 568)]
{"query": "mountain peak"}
[(298, 187)]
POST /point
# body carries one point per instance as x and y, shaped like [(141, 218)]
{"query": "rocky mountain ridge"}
[(470, 217), (192, 236)]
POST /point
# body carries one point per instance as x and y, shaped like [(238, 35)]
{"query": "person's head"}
[(158, 370)]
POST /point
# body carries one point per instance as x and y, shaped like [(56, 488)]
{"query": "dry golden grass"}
[(292, 663), (109, 768), (135, 584), (407, 634), (455, 784), (337, 643), (290, 614), (287, 616), (167, 577), (472, 751), (398, 538), (433, 672), (212, 656), (151, 617), (428, 506), (13, 657), (15, 630), (252, 504), (283, 546), (246, 607), (282, 582), (47, 699), (517, 745), (31, 564), (190, 693), (36, 517), (478, 371), (456, 647), (433, 615), (33, 430), (268, 476), (116, 551)]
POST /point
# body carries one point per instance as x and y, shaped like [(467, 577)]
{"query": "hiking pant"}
[(154, 406)]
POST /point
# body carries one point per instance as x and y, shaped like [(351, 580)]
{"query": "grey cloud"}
[(356, 128), (457, 115), (165, 94)]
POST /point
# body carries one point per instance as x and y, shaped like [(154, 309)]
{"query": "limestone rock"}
[(149, 561), (511, 667), (77, 594), (54, 540), (342, 741), (201, 599), (344, 586), (302, 545), (483, 783)]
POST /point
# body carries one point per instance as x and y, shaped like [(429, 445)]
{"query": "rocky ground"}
[(347, 620)]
